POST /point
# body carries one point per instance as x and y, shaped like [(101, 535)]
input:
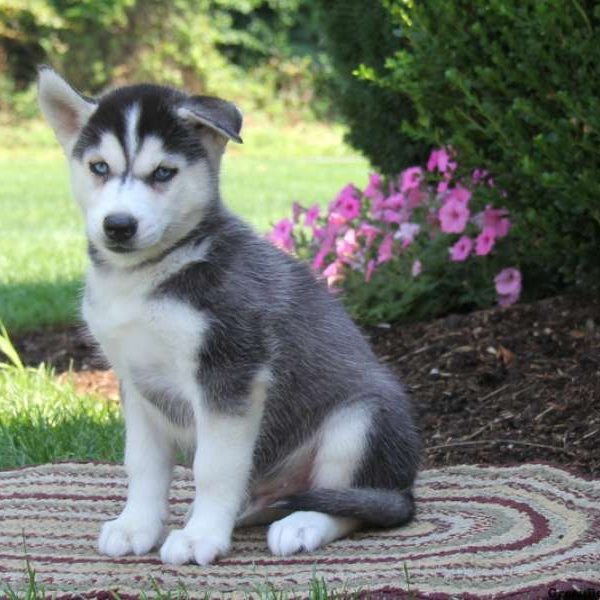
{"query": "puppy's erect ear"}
[(63, 107), (220, 116)]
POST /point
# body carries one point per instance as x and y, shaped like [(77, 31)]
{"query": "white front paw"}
[(184, 545), (130, 535)]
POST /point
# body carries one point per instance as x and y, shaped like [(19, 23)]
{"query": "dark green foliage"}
[(361, 33), (513, 86), (263, 53)]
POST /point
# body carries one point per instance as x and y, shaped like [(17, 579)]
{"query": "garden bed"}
[(498, 386)]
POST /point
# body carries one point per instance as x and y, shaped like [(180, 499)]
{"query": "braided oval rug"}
[(482, 532)]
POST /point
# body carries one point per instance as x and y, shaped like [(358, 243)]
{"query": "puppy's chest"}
[(144, 337)]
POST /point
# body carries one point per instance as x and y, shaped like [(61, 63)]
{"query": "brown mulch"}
[(498, 386)]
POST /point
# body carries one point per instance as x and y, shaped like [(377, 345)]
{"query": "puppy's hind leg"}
[(341, 447)]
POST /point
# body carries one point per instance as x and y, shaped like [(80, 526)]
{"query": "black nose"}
[(120, 227)]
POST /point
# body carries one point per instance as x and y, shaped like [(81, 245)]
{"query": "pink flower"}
[(385, 249), (411, 179), (461, 250), (394, 202), (390, 216), (369, 232), (407, 232), (334, 273), (508, 286), (346, 205), (346, 248), (479, 175), (371, 266), (508, 282), (485, 241), (312, 214), (297, 210), (281, 235), (373, 189), (460, 194), (438, 160), (326, 247), (507, 299), (453, 216), (415, 198), (496, 218), (442, 186), (416, 268)]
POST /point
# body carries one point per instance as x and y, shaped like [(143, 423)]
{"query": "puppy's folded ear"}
[(220, 116), (65, 109)]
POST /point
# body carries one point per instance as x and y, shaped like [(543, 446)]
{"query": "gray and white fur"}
[(224, 345)]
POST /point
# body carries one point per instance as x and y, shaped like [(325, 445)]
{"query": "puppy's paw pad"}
[(183, 547), (126, 536), (302, 531)]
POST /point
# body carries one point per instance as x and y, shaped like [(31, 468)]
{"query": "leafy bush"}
[(419, 246), (513, 85), (264, 53), (359, 37)]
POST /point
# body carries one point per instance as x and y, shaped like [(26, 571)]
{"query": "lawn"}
[(42, 249)]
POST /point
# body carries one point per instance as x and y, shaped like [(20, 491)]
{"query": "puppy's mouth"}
[(120, 247)]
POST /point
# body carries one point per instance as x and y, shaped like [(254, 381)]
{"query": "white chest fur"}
[(155, 338)]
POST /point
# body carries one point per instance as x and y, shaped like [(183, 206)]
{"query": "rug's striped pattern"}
[(482, 531)]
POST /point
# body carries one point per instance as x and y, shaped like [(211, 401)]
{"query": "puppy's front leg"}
[(149, 466), (222, 466)]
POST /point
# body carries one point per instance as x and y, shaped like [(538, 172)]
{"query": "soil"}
[(499, 386)]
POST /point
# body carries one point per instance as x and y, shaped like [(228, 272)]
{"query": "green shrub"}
[(356, 34), (512, 86), (263, 53)]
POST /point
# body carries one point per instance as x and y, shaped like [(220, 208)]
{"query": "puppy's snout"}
[(120, 227)]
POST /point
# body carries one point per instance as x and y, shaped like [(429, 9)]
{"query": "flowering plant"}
[(425, 243)]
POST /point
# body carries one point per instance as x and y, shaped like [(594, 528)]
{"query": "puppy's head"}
[(144, 161)]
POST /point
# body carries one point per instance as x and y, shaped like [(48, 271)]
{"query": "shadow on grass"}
[(27, 306)]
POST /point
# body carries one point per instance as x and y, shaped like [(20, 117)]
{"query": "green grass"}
[(317, 590), (45, 420), (42, 249)]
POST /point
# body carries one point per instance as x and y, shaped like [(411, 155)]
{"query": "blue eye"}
[(100, 168), (163, 174)]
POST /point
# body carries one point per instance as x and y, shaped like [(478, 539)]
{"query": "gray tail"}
[(372, 506)]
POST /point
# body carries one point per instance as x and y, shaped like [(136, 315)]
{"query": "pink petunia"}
[(312, 214), (485, 241), (281, 235), (369, 232), (460, 251), (496, 218), (373, 189), (326, 247), (347, 247), (391, 216), (417, 267), (460, 194), (508, 282), (394, 202), (334, 273), (346, 205), (438, 160), (453, 216), (384, 253), (371, 266), (415, 198), (507, 299), (411, 179)]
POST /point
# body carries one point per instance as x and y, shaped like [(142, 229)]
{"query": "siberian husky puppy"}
[(224, 345)]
